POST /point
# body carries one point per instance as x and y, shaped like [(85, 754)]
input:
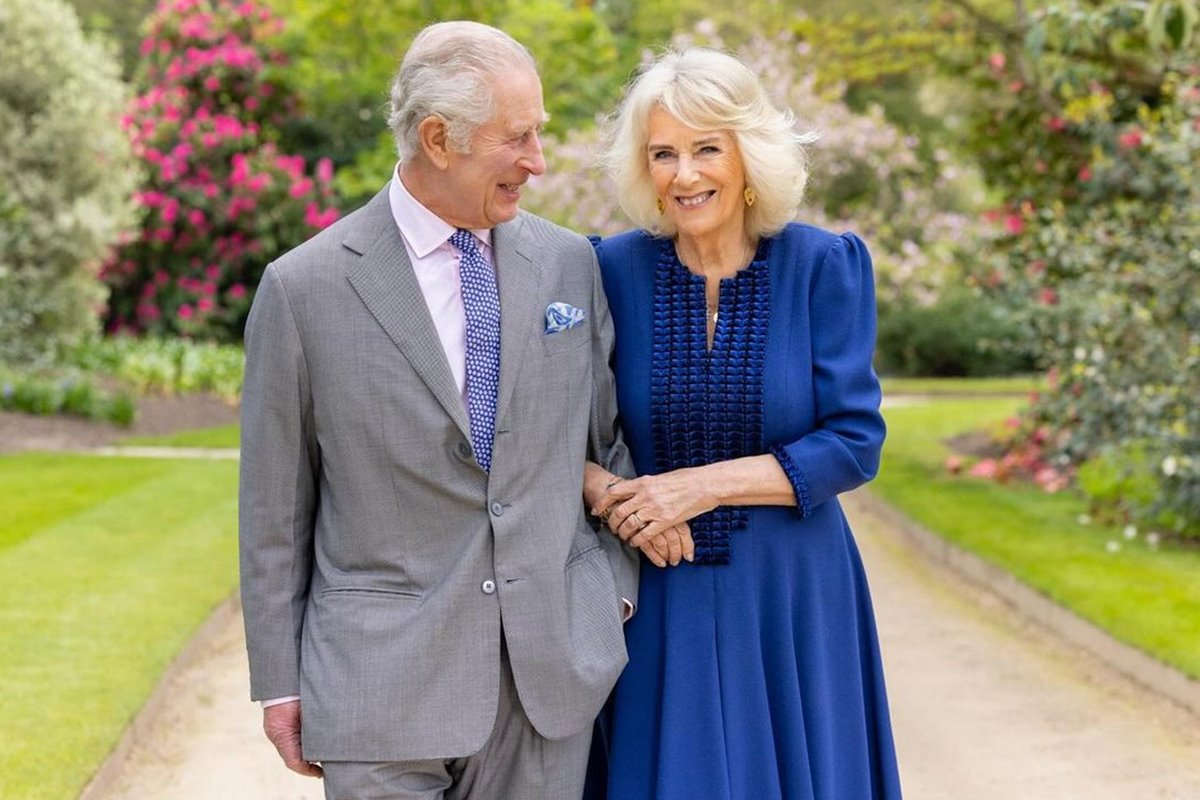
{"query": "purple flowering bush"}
[(220, 199), (865, 177)]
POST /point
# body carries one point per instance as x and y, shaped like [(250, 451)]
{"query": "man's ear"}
[(435, 143)]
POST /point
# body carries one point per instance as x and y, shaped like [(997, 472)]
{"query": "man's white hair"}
[(446, 73)]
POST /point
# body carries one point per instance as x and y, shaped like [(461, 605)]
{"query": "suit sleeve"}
[(606, 445), (843, 450), (277, 492)]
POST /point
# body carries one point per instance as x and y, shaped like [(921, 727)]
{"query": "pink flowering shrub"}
[(220, 199), (1096, 158)]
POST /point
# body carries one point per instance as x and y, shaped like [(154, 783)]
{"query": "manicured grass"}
[(1147, 597), (107, 567), (222, 436), (1016, 385)]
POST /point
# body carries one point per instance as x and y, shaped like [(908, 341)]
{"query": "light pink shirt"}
[(435, 261)]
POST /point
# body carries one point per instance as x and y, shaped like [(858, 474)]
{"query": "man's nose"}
[(533, 161)]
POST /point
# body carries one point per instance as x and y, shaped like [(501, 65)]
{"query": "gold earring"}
[(750, 196), (658, 201)]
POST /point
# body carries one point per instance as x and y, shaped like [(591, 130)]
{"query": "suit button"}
[(464, 449), (497, 508), (488, 586)]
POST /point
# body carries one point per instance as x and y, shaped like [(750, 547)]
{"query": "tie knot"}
[(464, 240)]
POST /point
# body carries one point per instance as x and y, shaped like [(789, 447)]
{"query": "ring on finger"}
[(640, 521)]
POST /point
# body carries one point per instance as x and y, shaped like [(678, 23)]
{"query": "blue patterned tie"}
[(481, 302)]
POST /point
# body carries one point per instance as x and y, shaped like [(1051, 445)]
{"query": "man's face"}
[(484, 185)]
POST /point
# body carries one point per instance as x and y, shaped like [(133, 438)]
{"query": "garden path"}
[(985, 705)]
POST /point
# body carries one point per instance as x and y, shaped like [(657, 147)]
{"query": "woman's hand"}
[(642, 508), (669, 545)]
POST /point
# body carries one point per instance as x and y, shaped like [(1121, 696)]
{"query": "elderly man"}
[(424, 383)]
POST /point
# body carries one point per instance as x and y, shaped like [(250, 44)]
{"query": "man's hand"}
[(282, 726)]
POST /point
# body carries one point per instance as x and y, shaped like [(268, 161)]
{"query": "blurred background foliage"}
[(1024, 171)]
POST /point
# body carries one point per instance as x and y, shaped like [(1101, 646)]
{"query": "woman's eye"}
[(661, 155), (710, 149)]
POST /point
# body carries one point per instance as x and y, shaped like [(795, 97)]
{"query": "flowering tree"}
[(65, 177), (220, 200), (1088, 122), (865, 177)]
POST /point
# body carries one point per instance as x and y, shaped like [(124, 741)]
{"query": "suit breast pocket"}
[(567, 341)]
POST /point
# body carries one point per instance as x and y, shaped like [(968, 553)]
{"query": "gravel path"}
[(985, 707)]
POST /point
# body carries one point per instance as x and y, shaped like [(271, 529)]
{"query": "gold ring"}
[(641, 523)]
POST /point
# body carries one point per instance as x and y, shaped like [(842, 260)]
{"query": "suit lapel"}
[(384, 279), (521, 317)]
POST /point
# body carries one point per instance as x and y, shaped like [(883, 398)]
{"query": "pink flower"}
[(237, 291), (186, 312), (987, 468), (170, 210), (212, 83), (325, 170), (204, 304), (251, 103), (196, 217), (162, 277), (1014, 224), (1130, 140), (997, 61), (1085, 173), (1056, 124), (212, 271), (1048, 297), (954, 465), (301, 187)]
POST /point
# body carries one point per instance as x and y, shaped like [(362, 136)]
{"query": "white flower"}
[(1113, 547), (1130, 532), (1084, 519), (1170, 466), (1080, 353), (1152, 538)]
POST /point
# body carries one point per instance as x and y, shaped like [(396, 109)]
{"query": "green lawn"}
[(107, 567), (222, 436), (1147, 597), (1017, 385)]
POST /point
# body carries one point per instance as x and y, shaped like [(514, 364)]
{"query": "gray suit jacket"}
[(371, 539)]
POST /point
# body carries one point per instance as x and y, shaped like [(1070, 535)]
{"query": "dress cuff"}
[(795, 477)]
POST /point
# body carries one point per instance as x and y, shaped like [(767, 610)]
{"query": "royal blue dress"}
[(754, 673)]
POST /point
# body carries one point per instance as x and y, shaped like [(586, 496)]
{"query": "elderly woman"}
[(743, 364)]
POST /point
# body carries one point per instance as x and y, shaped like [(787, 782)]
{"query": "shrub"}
[(65, 177), (166, 366), (220, 200), (1095, 246), (960, 335), (865, 177), (64, 392)]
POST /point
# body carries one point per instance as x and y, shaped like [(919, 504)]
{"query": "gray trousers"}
[(516, 763)]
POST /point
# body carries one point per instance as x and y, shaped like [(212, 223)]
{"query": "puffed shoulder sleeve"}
[(842, 452)]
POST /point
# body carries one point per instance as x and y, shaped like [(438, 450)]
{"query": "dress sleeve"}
[(842, 452)]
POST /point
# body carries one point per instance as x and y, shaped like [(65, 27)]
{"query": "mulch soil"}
[(156, 416)]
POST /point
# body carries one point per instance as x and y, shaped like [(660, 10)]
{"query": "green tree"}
[(66, 177)]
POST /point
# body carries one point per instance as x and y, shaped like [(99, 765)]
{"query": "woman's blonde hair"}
[(709, 90)]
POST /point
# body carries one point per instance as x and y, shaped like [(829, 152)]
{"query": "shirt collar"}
[(421, 228)]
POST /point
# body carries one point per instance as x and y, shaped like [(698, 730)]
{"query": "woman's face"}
[(698, 175)]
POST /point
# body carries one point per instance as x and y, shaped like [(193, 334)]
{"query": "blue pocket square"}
[(562, 316)]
